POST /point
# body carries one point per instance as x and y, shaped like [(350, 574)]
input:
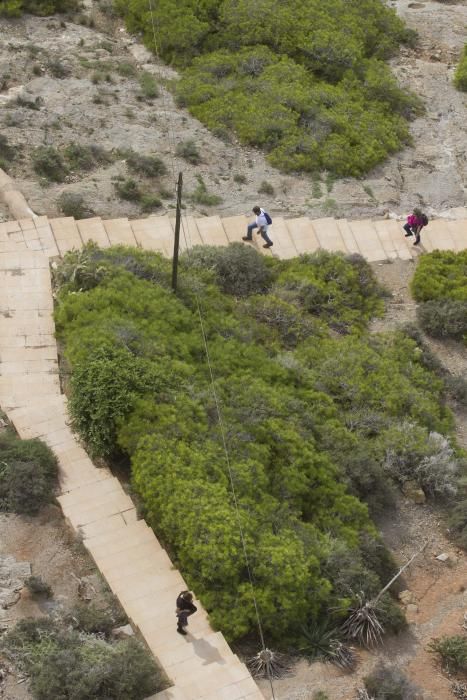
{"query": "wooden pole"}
[(177, 233)]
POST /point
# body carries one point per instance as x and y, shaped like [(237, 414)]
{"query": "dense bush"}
[(441, 275), (68, 665), (440, 283), (28, 474), (312, 89), (453, 651), (445, 318), (49, 163), (239, 270), (460, 76), (14, 8), (304, 410), (151, 166), (38, 587), (389, 683), (73, 204)]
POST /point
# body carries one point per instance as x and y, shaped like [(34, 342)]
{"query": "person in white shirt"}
[(260, 223)]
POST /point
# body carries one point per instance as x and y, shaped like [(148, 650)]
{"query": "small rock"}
[(413, 492), (412, 609), (123, 632), (443, 557), (406, 597)]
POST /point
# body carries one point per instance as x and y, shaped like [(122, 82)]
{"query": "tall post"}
[(177, 233)]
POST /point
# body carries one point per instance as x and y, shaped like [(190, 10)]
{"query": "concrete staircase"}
[(138, 570), (374, 240)]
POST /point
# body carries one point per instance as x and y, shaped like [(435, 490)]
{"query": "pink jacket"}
[(413, 220)]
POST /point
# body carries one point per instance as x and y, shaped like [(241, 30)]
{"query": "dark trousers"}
[(263, 232), (411, 231), (183, 616)]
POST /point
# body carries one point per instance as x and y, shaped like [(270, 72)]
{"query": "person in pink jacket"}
[(415, 223)]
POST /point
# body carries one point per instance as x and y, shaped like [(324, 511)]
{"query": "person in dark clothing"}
[(185, 608), (415, 223)]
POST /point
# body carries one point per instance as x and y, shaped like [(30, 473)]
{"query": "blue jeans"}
[(263, 231)]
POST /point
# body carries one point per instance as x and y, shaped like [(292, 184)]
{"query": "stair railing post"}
[(177, 233)]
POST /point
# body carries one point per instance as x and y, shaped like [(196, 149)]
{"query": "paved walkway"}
[(138, 570)]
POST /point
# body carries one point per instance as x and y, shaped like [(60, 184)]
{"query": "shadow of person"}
[(207, 652)]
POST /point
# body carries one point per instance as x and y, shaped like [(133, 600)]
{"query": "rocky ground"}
[(64, 82)]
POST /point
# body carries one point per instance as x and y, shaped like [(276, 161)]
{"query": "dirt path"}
[(71, 75)]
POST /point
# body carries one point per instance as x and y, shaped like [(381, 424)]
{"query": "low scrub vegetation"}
[(440, 285), (460, 76), (54, 164), (73, 204), (75, 665), (389, 683), (453, 652), (322, 421), (312, 90), (15, 8), (28, 474)]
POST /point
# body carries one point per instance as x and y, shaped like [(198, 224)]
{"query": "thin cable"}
[(187, 239), (171, 134)]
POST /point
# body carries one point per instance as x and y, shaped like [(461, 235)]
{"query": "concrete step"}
[(392, 238), (116, 503), (66, 234), (93, 230), (329, 235), (458, 231), (119, 232), (87, 495), (118, 521), (211, 648), (152, 234), (111, 563), (284, 246), (437, 236), (189, 234), (235, 227), (367, 240), (142, 566), (303, 235), (211, 231), (104, 538)]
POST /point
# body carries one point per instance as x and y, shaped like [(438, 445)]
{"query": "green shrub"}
[(297, 401), (129, 190), (453, 651), (58, 69), (49, 163), (389, 683), (456, 387), (73, 204), (14, 8), (201, 195), (7, 152), (126, 70), (148, 85), (91, 619), (189, 151), (239, 270), (460, 76), (107, 385), (150, 166), (266, 188), (443, 318), (28, 474), (241, 179), (38, 587), (441, 275), (149, 202), (62, 663)]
